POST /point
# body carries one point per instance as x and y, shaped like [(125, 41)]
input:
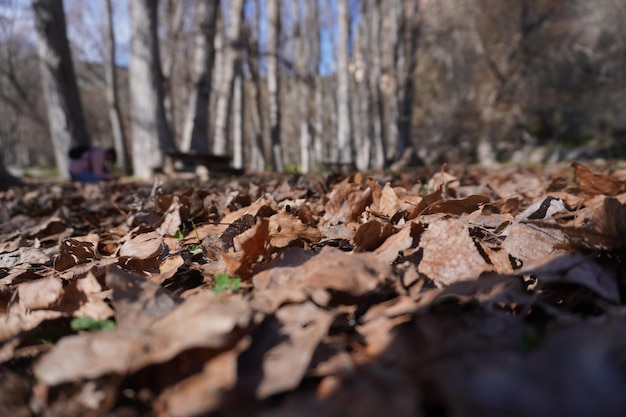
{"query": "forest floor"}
[(459, 292)]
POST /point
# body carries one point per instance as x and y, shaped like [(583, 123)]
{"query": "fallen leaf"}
[(450, 254)]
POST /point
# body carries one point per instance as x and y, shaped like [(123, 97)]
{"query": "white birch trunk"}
[(237, 119), (344, 128), (149, 124)]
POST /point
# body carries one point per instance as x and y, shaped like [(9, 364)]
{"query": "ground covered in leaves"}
[(462, 292)]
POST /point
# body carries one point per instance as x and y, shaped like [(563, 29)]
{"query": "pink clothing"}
[(92, 160)]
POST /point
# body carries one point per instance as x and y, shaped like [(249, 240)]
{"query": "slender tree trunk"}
[(273, 81), (237, 119), (117, 129), (171, 59), (315, 52), (151, 134), (406, 95), (375, 113), (389, 77), (65, 113), (257, 154), (196, 129), (230, 55), (344, 127), (302, 75)]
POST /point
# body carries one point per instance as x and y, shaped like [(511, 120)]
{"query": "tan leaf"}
[(593, 183), (450, 254), (143, 246), (285, 228), (347, 201)]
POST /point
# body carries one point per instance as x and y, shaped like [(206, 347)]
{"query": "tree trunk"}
[(237, 119), (230, 55), (375, 110), (389, 75), (65, 113), (196, 129), (273, 81), (171, 50), (344, 127), (257, 148), (315, 52), (151, 134), (409, 46), (303, 76), (117, 129)]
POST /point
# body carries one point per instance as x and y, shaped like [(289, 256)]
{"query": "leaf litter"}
[(464, 292)]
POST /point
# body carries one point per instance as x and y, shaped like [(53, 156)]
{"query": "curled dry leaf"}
[(347, 202)]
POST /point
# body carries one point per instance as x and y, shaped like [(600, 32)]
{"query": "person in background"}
[(91, 164)]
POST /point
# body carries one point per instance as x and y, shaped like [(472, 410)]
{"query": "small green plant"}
[(179, 235), (224, 282), (195, 248), (90, 324)]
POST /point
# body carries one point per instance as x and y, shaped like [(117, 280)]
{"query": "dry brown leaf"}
[(38, 295), (531, 245), (250, 246), (593, 183), (449, 253), (461, 206), (286, 229), (74, 251), (171, 221), (203, 393), (610, 218), (426, 201), (137, 301), (143, 246), (353, 274), (347, 201), (395, 244), (371, 235), (127, 350), (284, 348)]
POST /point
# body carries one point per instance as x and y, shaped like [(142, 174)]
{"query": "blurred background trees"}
[(297, 84)]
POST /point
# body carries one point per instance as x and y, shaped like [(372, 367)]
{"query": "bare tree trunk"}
[(117, 129), (257, 153), (389, 76), (375, 113), (174, 22), (315, 52), (196, 129), (409, 44), (151, 134), (225, 87), (302, 75), (344, 127), (237, 119), (273, 81), (65, 113)]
